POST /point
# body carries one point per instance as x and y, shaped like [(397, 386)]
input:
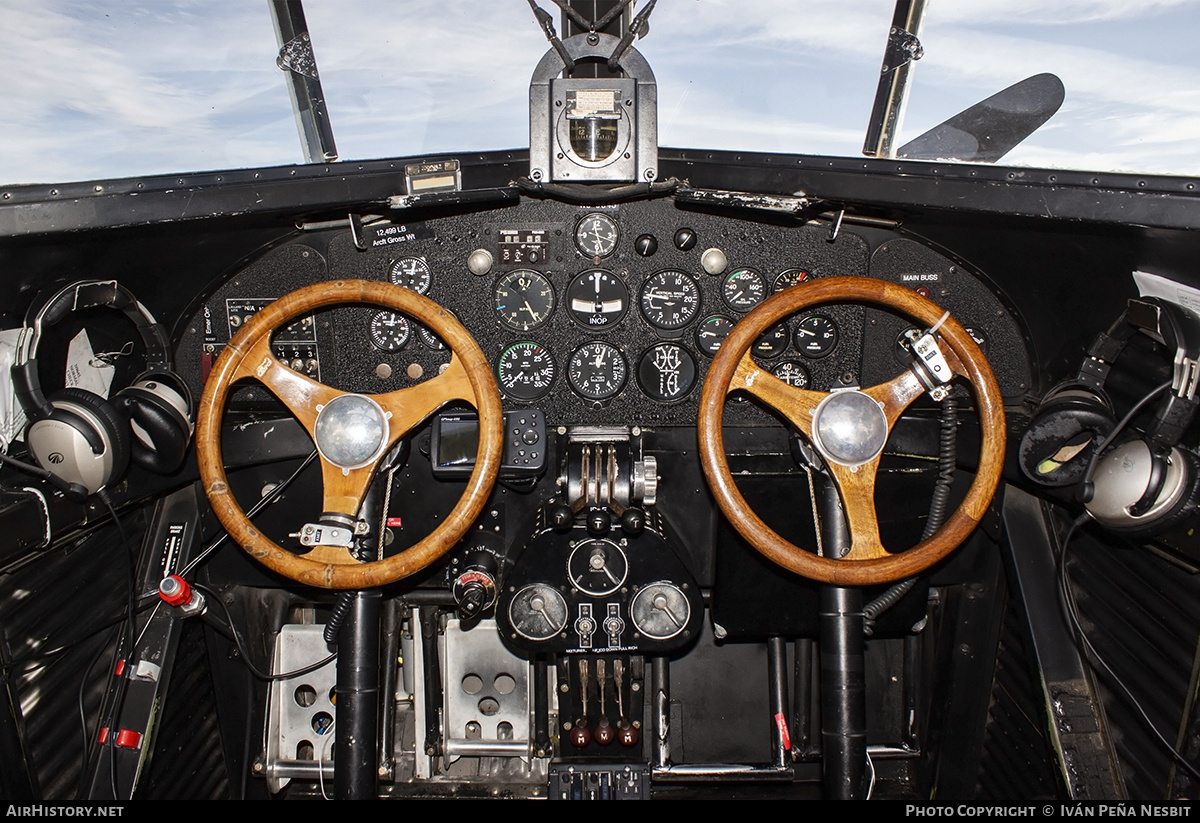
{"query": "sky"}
[(95, 89)]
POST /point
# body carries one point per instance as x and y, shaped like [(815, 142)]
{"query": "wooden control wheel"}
[(849, 429), (352, 431)]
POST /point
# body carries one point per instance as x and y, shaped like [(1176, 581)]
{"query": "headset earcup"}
[(1120, 481), (159, 414), (82, 441), (1063, 435)]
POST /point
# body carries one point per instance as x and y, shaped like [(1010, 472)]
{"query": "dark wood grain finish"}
[(248, 355), (868, 562)]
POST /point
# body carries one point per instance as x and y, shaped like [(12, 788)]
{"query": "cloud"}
[(97, 89)]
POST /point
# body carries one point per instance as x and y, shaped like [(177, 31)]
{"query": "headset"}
[(83, 440), (1139, 486)]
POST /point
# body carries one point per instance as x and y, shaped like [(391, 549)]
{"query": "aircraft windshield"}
[(102, 89)]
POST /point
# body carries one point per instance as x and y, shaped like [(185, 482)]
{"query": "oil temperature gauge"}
[(792, 373)]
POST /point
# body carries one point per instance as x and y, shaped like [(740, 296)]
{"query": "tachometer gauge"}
[(789, 278), (524, 300), (743, 289), (816, 336), (526, 371), (596, 235), (772, 342), (711, 333), (670, 300), (792, 373), (666, 372), (412, 273), (598, 299), (597, 370), (389, 331)]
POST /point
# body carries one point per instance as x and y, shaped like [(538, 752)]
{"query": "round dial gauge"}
[(711, 333), (597, 299), (596, 235), (792, 373), (538, 612), (816, 336), (524, 300), (412, 273), (789, 278), (743, 289), (670, 299), (772, 342), (667, 372), (525, 371), (389, 332), (660, 610), (597, 567), (597, 370), (429, 339)]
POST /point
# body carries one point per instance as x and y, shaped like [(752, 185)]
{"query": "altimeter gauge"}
[(597, 370), (524, 300), (526, 371)]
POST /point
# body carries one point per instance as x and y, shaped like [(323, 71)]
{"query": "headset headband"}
[(82, 294)]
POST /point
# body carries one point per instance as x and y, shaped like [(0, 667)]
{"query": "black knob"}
[(646, 245), (560, 518), (685, 239), (633, 521), (598, 522)]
